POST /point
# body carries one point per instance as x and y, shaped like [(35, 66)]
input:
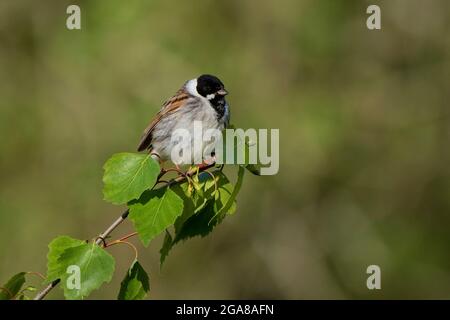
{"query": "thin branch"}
[(127, 236), (40, 275), (127, 243), (101, 238), (41, 295)]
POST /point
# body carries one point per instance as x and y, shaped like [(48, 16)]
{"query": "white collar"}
[(191, 87)]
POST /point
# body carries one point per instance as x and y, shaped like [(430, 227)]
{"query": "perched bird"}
[(200, 99)]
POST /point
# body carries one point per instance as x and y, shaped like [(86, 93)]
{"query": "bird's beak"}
[(222, 92)]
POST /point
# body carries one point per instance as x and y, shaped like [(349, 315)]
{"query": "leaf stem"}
[(127, 243), (40, 275), (127, 236)]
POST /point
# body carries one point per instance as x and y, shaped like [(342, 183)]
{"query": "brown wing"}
[(171, 105)]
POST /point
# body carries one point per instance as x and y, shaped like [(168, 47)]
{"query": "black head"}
[(210, 87)]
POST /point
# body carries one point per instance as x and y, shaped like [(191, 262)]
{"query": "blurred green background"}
[(364, 125)]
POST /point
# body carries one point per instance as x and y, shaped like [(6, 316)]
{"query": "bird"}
[(200, 99)]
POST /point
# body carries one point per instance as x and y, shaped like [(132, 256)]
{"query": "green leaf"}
[(254, 168), (128, 175), (95, 267), (229, 200), (224, 198), (200, 224), (195, 200), (56, 248), (135, 285), (217, 203), (188, 201), (9, 290), (167, 245), (155, 211), (203, 209), (191, 202)]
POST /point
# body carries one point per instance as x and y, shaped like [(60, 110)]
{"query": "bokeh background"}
[(364, 125)]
